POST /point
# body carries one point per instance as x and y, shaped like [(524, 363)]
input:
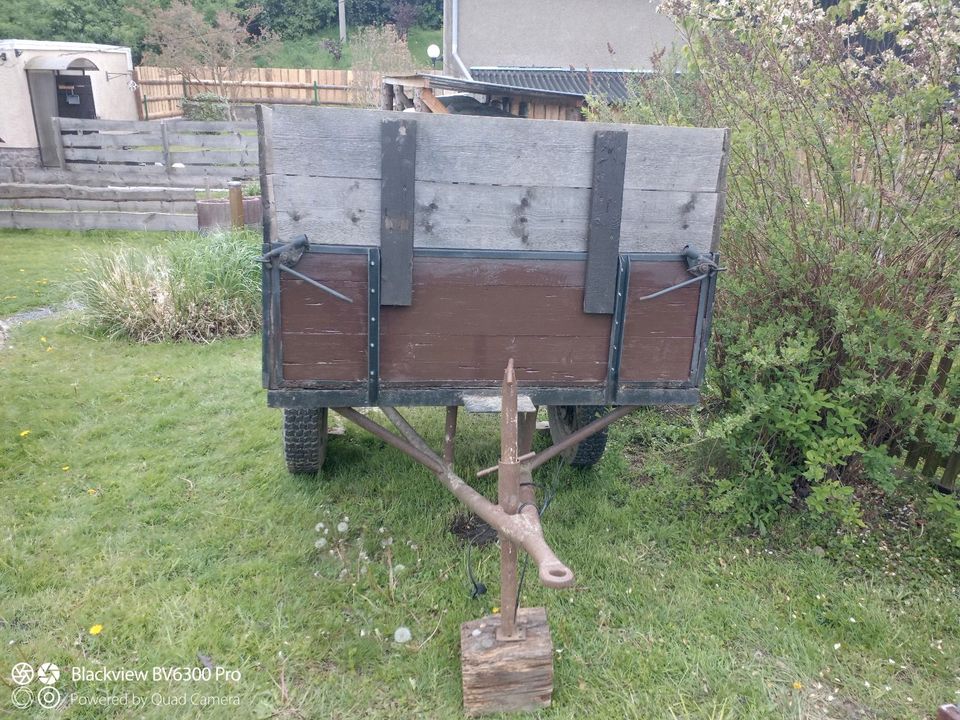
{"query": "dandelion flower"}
[(402, 635), (65, 468), (836, 646), (320, 544), (495, 610), (91, 491), (797, 685), (43, 338), (96, 629), (24, 433), (342, 527), (319, 527), (49, 349)]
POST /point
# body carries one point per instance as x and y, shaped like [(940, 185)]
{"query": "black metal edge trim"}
[(373, 325), (707, 326), (698, 339), (616, 328), (454, 396), (483, 254)]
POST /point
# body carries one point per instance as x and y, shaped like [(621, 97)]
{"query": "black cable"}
[(526, 557), (478, 587)]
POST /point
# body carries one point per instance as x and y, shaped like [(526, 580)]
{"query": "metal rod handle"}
[(319, 286)]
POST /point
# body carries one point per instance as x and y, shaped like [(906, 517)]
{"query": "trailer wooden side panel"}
[(324, 339), (469, 315)]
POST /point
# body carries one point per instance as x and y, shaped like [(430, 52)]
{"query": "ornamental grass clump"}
[(842, 235), (197, 288)]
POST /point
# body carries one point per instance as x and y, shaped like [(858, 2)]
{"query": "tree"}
[(217, 55), (404, 16)]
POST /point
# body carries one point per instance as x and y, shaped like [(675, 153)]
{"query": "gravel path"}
[(8, 323)]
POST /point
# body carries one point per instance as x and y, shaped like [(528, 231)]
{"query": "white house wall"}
[(113, 99), (599, 34)]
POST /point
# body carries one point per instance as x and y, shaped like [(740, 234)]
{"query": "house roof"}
[(611, 84)]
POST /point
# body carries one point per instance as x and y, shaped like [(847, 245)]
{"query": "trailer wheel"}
[(566, 420), (304, 439)]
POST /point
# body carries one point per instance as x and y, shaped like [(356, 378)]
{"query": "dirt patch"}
[(471, 529)]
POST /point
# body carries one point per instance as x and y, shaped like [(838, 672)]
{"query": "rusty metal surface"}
[(508, 495)]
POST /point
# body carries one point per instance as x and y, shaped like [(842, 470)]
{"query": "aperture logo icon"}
[(46, 674), (22, 673)]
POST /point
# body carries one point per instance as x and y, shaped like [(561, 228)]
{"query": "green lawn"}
[(149, 497), (307, 52), (38, 268)]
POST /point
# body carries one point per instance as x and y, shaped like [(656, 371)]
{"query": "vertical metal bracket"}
[(373, 325), (616, 328), (398, 161), (606, 210)]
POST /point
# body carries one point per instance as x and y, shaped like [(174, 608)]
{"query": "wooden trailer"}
[(410, 259)]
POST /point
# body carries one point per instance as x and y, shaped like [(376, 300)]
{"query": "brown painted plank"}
[(412, 358), (346, 211), (659, 333), (323, 337), (508, 310)]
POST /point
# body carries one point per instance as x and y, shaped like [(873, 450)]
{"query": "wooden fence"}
[(162, 90), (943, 469), (167, 152), (76, 207)]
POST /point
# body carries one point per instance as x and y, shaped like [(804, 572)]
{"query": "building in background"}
[(542, 58), (40, 81)]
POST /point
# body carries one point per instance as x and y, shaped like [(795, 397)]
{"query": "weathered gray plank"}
[(342, 211), (231, 141), (333, 142), (175, 207), (130, 125), (81, 192), (603, 230), (267, 196), (128, 176), (112, 139), (214, 156), (112, 155), (96, 220), (211, 126), (398, 153)]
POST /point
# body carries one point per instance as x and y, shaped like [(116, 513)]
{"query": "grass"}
[(307, 52), (39, 267), (149, 496)]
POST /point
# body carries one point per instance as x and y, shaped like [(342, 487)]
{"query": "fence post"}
[(316, 94), (165, 141), (236, 204), (58, 148), (146, 109)]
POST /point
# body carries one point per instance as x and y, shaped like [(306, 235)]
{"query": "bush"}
[(196, 289), (206, 106), (841, 234)]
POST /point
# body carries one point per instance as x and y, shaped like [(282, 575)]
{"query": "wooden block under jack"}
[(948, 712), (506, 675)]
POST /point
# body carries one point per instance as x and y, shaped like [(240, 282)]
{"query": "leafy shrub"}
[(841, 234), (196, 289), (206, 106)]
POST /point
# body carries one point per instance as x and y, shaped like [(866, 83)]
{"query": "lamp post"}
[(433, 52)]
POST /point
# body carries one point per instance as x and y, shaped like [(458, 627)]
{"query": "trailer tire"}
[(566, 420), (304, 439)]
